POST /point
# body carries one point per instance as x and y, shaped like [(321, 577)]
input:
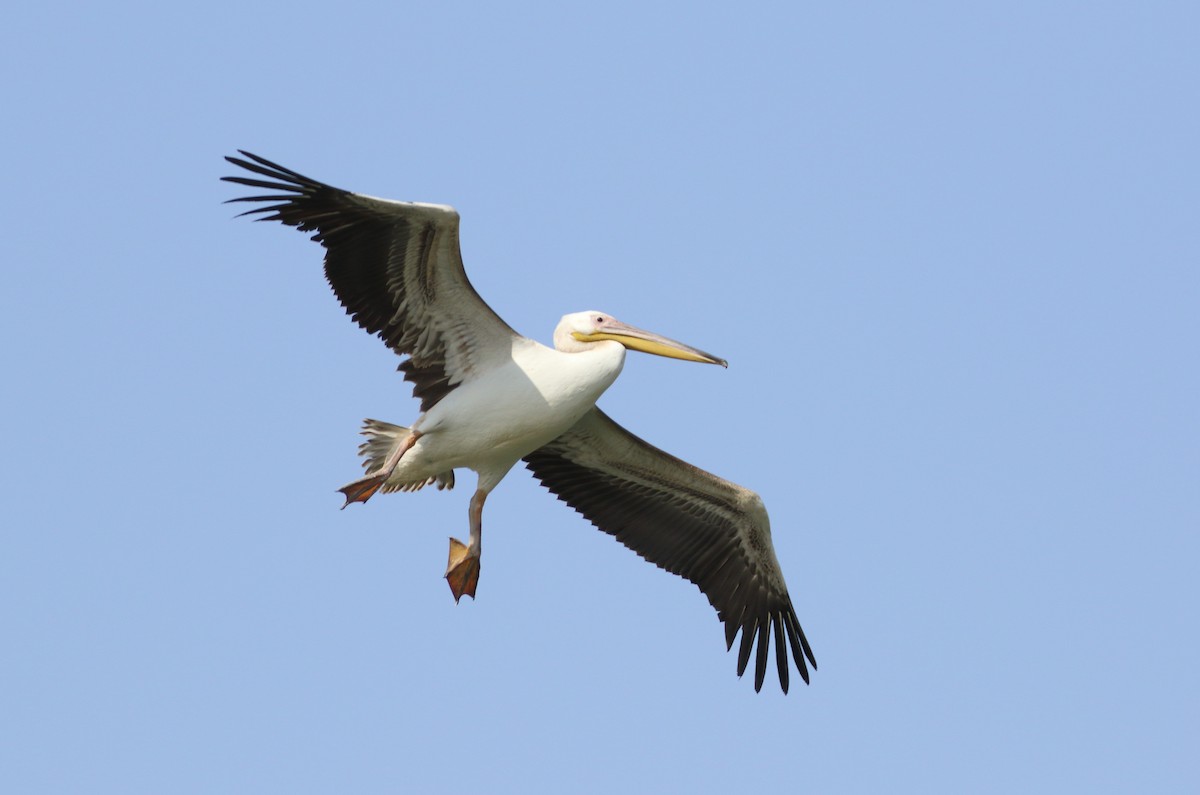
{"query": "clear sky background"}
[(950, 250)]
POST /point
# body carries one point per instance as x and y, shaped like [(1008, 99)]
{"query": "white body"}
[(491, 420)]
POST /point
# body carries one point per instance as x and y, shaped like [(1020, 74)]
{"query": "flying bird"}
[(491, 397)]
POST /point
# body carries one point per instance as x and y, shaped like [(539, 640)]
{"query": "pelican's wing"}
[(684, 520), (396, 268)]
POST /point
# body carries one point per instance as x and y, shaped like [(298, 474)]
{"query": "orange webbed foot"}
[(362, 490), (462, 571)]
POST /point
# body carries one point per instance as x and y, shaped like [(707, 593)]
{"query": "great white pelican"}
[(491, 397)]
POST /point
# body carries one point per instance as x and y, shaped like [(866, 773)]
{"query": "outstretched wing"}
[(395, 267), (684, 520)]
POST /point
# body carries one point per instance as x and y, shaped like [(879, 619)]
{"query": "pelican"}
[(491, 397)]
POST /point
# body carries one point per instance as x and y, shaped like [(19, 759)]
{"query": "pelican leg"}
[(363, 489), (462, 571)]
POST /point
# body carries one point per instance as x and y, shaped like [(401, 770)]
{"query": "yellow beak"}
[(648, 342)]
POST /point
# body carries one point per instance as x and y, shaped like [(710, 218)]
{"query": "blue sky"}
[(949, 250)]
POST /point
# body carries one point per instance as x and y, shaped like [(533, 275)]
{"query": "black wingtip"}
[(781, 660), (764, 645), (269, 168), (745, 648), (756, 641)]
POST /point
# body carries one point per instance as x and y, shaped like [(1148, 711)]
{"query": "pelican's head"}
[(579, 331)]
